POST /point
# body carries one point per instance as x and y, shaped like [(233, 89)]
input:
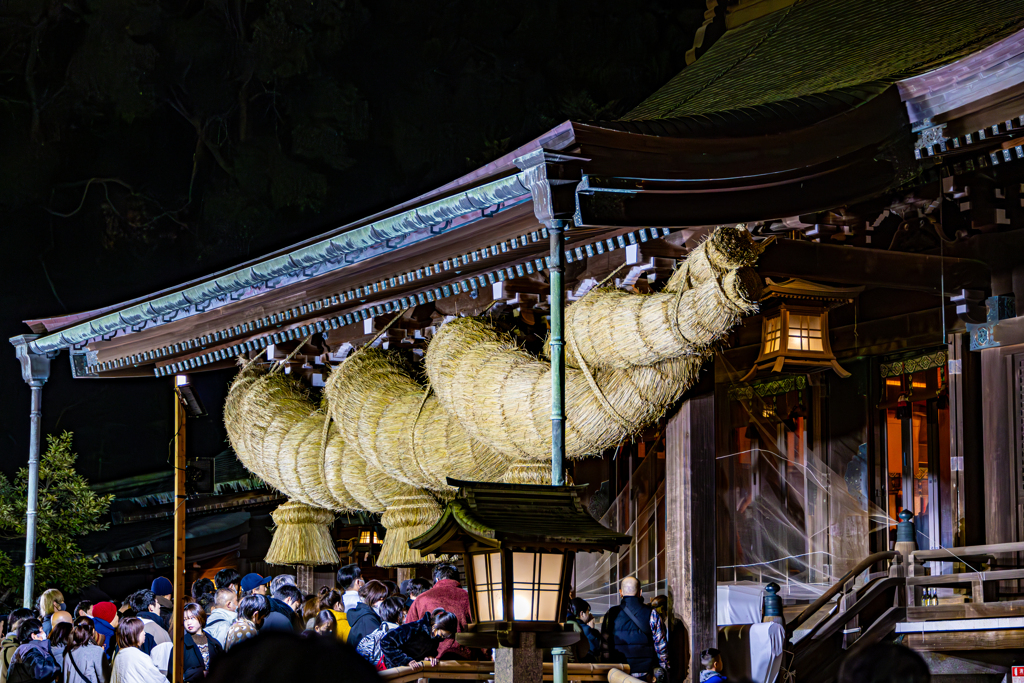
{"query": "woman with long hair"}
[(310, 610), (83, 659), (132, 665), (325, 623), (415, 642), (58, 637), (201, 648), (52, 600)]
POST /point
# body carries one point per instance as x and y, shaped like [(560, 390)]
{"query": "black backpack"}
[(19, 673)]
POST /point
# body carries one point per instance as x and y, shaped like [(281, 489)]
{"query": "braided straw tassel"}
[(303, 536)]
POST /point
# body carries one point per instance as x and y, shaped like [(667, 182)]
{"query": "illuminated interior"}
[(487, 587), (804, 332), (772, 334), (536, 584)]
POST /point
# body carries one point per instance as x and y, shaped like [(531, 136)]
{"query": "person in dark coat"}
[(33, 660), (363, 618), (633, 634), (285, 600), (201, 648), (411, 643), (164, 592), (579, 618)]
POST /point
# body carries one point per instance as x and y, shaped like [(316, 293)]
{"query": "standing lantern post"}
[(519, 544), (35, 370)]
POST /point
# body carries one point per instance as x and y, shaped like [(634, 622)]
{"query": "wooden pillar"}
[(178, 622), (405, 573), (690, 524), (1000, 498), (304, 579)]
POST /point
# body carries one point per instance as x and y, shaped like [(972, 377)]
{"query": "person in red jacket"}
[(448, 594)]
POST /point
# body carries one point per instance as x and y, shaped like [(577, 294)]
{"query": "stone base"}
[(523, 664)]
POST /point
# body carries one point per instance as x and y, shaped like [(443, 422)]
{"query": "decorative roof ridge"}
[(308, 258)]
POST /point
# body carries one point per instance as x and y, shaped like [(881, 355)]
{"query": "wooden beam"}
[(177, 616), (690, 522), (967, 610), (1002, 639), (872, 267)]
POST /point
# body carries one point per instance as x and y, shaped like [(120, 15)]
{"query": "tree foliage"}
[(67, 509)]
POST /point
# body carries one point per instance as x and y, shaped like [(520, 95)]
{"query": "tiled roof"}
[(520, 514), (821, 46)]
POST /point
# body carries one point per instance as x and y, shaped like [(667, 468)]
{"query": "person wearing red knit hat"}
[(104, 619)]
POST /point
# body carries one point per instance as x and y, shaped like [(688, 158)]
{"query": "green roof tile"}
[(821, 46)]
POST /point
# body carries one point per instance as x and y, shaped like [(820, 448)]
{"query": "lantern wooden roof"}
[(490, 515), (799, 289)]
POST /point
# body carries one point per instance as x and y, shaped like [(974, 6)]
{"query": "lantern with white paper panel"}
[(519, 544), (794, 328)]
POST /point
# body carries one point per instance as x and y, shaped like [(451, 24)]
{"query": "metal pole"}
[(31, 513), (556, 269), (178, 585), (559, 664), (35, 370)]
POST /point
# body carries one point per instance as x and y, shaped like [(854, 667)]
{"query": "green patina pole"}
[(556, 268)]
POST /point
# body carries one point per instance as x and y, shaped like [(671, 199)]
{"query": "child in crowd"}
[(711, 665)]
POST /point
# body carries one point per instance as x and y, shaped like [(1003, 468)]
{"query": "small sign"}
[(1018, 674)]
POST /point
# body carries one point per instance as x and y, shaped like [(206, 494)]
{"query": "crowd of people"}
[(383, 624), (133, 643)]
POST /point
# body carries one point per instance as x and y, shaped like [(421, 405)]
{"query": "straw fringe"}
[(409, 515), (302, 536)]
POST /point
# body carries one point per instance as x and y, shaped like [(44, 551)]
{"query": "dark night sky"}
[(430, 90)]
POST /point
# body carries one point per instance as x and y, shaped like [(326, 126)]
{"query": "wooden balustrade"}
[(981, 604), (483, 671)]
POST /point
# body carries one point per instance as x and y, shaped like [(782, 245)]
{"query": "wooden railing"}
[(483, 671), (980, 583), (838, 586)]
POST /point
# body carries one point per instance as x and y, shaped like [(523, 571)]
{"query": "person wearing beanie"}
[(164, 592), (104, 619)]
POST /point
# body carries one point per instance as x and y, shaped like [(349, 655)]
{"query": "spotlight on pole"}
[(189, 397)]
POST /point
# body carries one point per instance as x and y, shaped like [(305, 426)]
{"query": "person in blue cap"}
[(164, 592), (254, 584)]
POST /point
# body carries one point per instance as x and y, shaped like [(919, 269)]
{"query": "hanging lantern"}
[(794, 332)]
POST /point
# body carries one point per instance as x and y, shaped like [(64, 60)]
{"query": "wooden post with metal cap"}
[(177, 615)]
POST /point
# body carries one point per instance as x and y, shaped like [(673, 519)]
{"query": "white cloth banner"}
[(766, 642), (739, 603)]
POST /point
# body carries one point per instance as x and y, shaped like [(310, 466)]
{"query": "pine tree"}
[(68, 508)]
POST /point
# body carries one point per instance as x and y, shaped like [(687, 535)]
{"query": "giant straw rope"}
[(391, 440)]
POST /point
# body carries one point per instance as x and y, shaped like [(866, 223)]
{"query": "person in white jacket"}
[(132, 665), (225, 603)]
